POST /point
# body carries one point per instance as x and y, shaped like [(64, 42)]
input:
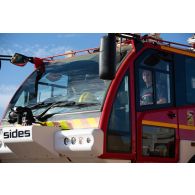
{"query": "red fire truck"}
[(131, 100)]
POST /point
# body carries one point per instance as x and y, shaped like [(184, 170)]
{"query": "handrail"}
[(91, 50), (163, 41)]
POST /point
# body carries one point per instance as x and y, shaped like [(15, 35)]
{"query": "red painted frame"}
[(141, 158), (129, 63), (108, 106), (139, 125)]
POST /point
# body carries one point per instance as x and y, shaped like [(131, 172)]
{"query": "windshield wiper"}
[(40, 105), (86, 104), (24, 114), (53, 105), (43, 117), (46, 104)]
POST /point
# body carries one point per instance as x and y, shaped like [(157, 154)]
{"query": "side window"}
[(158, 141), (153, 69), (190, 79), (146, 87), (185, 79), (163, 93), (119, 132)]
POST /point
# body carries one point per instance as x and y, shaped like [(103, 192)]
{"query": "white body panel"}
[(30, 142), (186, 151), (46, 144), (4, 150), (88, 143)]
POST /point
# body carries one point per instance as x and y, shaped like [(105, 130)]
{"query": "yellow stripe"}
[(76, 123), (92, 122), (49, 124), (187, 127), (175, 50), (64, 125), (154, 123), (73, 124)]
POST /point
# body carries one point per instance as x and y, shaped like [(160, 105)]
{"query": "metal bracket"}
[(4, 58)]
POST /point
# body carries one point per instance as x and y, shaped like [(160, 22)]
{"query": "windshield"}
[(72, 79)]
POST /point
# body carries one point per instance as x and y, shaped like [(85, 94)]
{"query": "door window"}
[(154, 79), (185, 80), (146, 87), (158, 141), (119, 132), (190, 79)]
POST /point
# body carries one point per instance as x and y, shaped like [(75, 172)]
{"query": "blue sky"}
[(42, 45)]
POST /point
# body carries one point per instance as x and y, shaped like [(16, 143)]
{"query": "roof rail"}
[(91, 50), (169, 43), (148, 38)]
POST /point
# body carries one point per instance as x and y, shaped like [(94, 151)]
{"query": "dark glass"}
[(119, 130), (190, 79), (155, 59), (180, 79), (146, 87), (185, 80), (158, 141), (154, 90), (72, 79), (163, 93)]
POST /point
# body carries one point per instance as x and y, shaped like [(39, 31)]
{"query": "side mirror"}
[(19, 59), (107, 61)]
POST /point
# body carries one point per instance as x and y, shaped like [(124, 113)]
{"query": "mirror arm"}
[(30, 59), (4, 58), (39, 64)]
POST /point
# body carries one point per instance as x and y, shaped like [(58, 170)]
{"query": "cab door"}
[(118, 132), (156, 116)]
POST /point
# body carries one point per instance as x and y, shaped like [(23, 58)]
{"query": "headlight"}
[(73, 140), (66, 140), (88, 140), (80, 140)]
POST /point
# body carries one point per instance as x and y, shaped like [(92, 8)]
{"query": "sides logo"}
[(16, 134)]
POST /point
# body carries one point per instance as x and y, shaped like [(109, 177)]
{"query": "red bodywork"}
[(137, 117)]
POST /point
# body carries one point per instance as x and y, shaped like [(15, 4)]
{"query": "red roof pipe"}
[(163, 41), (74, 52)]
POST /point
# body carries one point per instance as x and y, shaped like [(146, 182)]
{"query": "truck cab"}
[(129, 101)]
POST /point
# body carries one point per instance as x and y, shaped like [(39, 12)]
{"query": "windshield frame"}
[(125, 51), (22, 87)]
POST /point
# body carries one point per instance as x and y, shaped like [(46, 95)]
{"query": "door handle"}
[(171, 115)]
